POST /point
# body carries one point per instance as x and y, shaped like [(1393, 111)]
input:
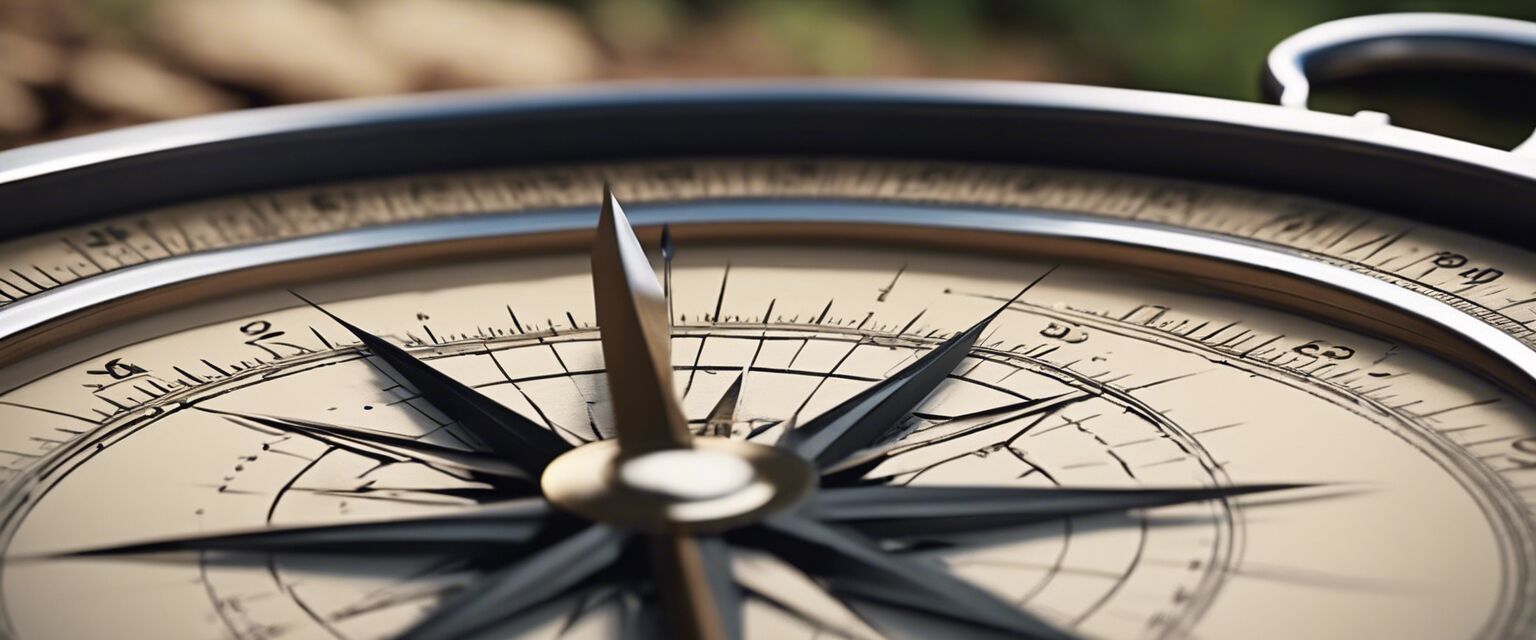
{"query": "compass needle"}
[(893, 512), (636, 333), (766, 576), (520, 440), (854, 568), (503, 594), (861, 421), (726, 593), (853, 467), (509, 523), (427, 453), (697, 590), (636, 337)]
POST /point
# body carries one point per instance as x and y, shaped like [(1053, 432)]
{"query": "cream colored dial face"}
[(255, 411)]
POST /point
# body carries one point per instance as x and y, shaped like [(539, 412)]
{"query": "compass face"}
[(837, 399)]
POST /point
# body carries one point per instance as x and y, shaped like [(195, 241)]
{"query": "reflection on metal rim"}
[(1515, 359), (1355, 160)]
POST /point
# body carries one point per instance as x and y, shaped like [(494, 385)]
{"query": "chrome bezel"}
[(1356, 160), (1336, 157)]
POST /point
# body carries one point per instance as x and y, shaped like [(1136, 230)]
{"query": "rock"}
[(46, 20), (122, 83), (636, 29), (30, 60), (292, 49), (20, 110), (469, 43), (810, 39)]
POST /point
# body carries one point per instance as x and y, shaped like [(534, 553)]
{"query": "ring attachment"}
[(1363, 45)]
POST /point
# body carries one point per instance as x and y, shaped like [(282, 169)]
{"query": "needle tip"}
[(316, 306), (1021, 293), (347, 325), (612, 213)]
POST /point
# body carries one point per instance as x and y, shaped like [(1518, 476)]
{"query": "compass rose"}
[(668, 513)]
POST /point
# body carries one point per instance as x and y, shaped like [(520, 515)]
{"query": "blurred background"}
[(69, 67)]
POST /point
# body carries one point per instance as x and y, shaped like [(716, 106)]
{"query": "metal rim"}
[(1360, 44), (1348, 159), (66, 302)]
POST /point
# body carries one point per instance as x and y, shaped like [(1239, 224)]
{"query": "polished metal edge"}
[(1360, 43), (62, 156), (64, 302)]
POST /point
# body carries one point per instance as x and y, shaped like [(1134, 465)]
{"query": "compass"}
[(869, 360)]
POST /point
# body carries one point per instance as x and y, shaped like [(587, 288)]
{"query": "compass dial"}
[(832, 399)]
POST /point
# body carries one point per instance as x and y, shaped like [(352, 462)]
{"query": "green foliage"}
[(1211, 47), (1208, 47)]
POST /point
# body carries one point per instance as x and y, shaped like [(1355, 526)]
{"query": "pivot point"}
[(687, 474), (714, 485)]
